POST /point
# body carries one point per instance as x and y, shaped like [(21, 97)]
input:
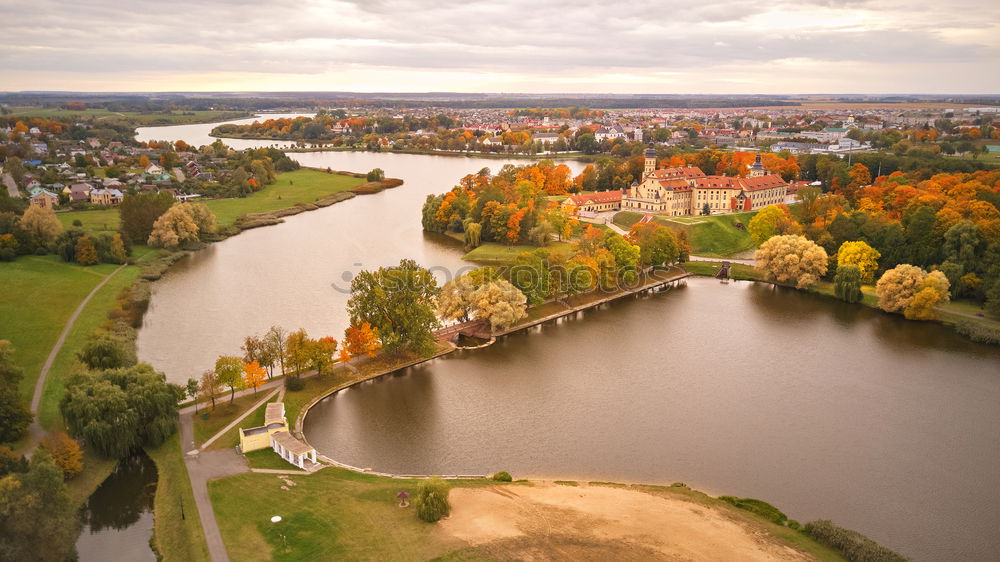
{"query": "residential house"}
[(45, 199), (78, 191), (105, 197), (612, 132)]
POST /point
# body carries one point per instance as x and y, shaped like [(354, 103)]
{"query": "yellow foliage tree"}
[(65, 451), (792, 259), (173, 228), (771, 221), (897, 287), (86, 253), (41, 223), (862, 255)]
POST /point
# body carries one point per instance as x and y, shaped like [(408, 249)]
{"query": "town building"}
[(589, 203), (274, 434), (45, 199)]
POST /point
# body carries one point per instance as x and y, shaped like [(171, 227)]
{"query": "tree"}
[(173, 228), (41, 224), (210, 386), (847, 283), (230, 372), (375, 175), (139, 212), (86, 253), (11, 462), (253, 375), (771, 221), (119, 410), (361, 340), (37, 517), (706, 209), (104, 352), (657, 244), (274, 343), (15, 168), (398, 302), (297, 351), (65, 451), (321, 353), (118, 252), (473, 234), (202, 217), (897, 286), (14, 414), (192, 391), (252, 348), (454, 302), (933, 291), (862, 255), (499, 302), (432, 500), (792, 259)]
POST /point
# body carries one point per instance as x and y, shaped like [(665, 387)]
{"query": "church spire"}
[(757, 169)]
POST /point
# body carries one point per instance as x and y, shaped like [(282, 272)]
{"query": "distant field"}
[(140, 118), (300, 186)]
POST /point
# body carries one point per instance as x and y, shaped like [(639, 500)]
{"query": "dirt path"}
[(549, 521), (35, 431)]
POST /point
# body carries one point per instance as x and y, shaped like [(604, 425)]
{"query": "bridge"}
[(473, 328)]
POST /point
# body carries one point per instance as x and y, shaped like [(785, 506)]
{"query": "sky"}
[(532, 46)]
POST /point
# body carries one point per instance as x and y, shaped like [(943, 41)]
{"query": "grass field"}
[(223, 414), (39, 295), (177, 532), (715, 236), (136, 117), (491, 253), (291, 188)]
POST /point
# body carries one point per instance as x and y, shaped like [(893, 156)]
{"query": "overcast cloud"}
[(679, 46)]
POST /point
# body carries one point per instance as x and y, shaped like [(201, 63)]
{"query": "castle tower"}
[(650, 163), (757, 169)]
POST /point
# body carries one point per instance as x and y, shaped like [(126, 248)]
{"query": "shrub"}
[(502, 477), (978, 332), (432, 500), (759, 507), (66, 453), (294, 384), (851, 544)]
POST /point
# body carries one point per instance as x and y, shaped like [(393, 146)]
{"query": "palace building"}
[(685, 191)]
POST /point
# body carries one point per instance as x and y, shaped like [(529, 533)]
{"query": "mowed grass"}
[(715, 236), (491, 253), (39, 295), (177, 532), (333, 514), (290, 189), (267, 458), (94, 316), (205, 426)]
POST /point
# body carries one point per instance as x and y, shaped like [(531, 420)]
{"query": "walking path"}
[(730, 260), (249, 411), (35, 430)]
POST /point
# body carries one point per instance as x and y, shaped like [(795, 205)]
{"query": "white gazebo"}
[(292, 450)]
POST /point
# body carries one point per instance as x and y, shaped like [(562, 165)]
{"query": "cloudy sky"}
[(631, 46)]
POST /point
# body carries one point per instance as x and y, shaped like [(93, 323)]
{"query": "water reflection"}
[(118, 517)]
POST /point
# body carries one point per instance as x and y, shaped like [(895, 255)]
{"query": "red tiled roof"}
[(599, 197), (685, 172)]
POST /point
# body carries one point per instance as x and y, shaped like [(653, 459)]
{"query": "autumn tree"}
[(398, 302), (792, 259), (499, 302), (772, 220), (296, 348), (321, 352), (117, 251), (65, 451), (933, 291), (847, 283), (253, 375), (274, 346), (361, 339), (38, 519), (862, 255), (86, 253), (209, 386), (229, 369), (41, 224), (139, 212), (173, 228), (657, 244), (897, 286)]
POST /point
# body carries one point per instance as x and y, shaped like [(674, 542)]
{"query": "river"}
[(824, 409)]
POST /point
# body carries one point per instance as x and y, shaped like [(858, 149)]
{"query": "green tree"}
[(104, 352), (119, 410), (37, 517), (473, 234), (14, 414), (398, 302), (375, 175), (657, 244), (432, 500), (139, 212), (847, 283), (230, 372)]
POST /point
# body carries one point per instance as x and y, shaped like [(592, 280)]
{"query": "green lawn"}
[(223, 414), (715, 236), (39, 295), (136, 117), (300, 186), (267, 458), (491, 253), (177, 532), (94, 316), (232, 437)]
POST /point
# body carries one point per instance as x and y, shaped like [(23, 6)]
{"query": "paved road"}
[(35, 431)]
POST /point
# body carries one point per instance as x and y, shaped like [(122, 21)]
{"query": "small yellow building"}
[(274, 434)]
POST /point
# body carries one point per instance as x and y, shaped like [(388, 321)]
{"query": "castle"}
[(686, 191)]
